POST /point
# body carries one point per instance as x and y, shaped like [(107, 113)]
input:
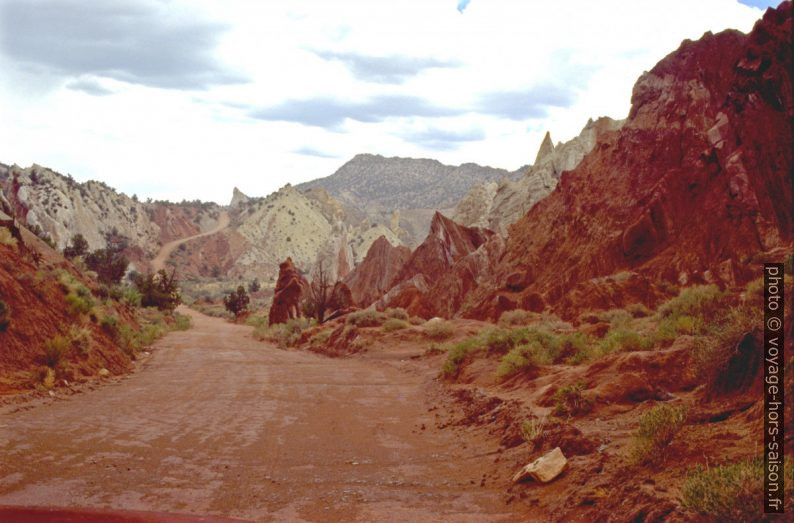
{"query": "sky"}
[(174, 99)]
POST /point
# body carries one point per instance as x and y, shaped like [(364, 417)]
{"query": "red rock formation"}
[(448, 261), (373, 276), (696, 182), (290, 288), (446, 243)]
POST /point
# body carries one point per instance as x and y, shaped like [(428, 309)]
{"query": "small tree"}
[(254, 286), (77, 247), (159, 290), (109, 263), (237, 302), (316, 303)]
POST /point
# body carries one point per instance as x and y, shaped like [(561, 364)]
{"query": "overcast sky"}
[(176, 99)]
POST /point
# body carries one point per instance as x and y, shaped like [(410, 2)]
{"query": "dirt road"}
[(216, 423), (165, 251)]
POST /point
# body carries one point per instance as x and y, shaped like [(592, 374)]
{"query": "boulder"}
[(545, 468)]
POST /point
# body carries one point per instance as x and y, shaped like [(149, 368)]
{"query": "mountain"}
[(693, 187), (373, 182), (496, 205)]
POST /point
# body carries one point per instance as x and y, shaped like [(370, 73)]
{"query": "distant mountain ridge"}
[(377, 183)]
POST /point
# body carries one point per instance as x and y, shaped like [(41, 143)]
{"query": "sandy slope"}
[(165, 251), (217, 423)]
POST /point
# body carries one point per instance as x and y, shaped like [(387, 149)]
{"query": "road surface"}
[(165, 251), (216, 423)]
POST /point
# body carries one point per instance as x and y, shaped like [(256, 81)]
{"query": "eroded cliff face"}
[(372, 278), (62, 208), (695, 183), (497, 205)]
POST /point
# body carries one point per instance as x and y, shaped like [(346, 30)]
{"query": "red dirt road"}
[(219, 424)]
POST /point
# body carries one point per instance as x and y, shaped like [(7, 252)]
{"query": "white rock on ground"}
[(545, 468)]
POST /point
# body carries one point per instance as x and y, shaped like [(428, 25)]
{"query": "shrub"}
[(46, 376), (532, 430), (623, 339), (80, 338), (515, 317), (284, 334), (731, 492), (131, 296), (573, 346), (55, 349), (701, 301), (657, 429), (237, 302), (416, 320), (78, 246), (569, 401), (320, 338), (438, 329), (520, 359), (364, 318), (615, 317), (397, 313), (713, 352), (109, 263), (254, 286), (458, 354), (394, 324), (78, 303), (159, 290), (5, 316)]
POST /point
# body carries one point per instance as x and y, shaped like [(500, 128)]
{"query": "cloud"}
[(331, 112), (89, 86), (533, 102), (442, 139), (311, 151), (134, 41), (385, 69), (462, 5)]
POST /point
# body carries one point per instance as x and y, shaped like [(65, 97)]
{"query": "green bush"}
[(523, 358), (77, 304), (394, 324), (237, 302), (701, 301), (131, 296), (438, 329), (569, 401), (6, 238), (5, 316), (397, 313), (458, 354), (657, 429), (55, 349), (623, 339), (515, 317), (365, 318), (615, 317), (159, 290), (284, 334), (731, 492)]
